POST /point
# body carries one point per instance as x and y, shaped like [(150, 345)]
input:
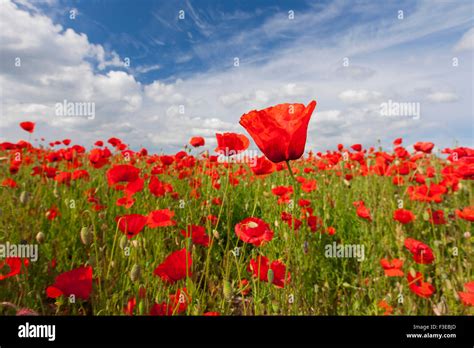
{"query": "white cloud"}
[(359, 96), (466, 43), (442, 97)]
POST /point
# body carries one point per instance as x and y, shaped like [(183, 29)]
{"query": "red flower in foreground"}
[(254, 231), (77, 282), (161, 218), (231, 143), (131, 224), (260, 268), (418, 286), (280, 131), (197, 233), (403, 216), (421, 252), (175, 266), (466, 214), (467, 297), (13, 266), (197, 141), (122, 172), (28, 126), (392, 268)]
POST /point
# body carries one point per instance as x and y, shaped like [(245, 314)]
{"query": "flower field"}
[(354, 230)]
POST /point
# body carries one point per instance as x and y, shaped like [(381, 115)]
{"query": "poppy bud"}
[(227, 290), (40, 237), (24, 197), (135, 273), (141, 308), (86, 235), (123, 242), (270, 276)]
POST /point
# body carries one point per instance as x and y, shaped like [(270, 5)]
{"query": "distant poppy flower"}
[(122, 172), (425, 147), (362, 211), (52, 213), (385, 306), (260, 267), (254, 231), (403, 216), (13, 265), (437, 217), (175, 267), (161, 218), (309, 185), (282, 190), (418, 286), (197, 233), (279, 131), (211, 314), (77, 282), (356, 147), (397, 141), (28, 126), (392, 268), (466, 213), (467, 297), (424, 193), (421, 252), (132, 224), (263, 166), (230, 144), (197, 141), (8, 182)]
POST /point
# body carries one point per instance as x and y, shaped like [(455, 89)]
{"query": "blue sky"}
[(182, 80)]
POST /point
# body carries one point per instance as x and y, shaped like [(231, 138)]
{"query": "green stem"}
[(289, 169)]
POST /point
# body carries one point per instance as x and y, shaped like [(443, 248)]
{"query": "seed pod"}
[(123, 242), (227, 290), (24, 197), (135, 273), (40, 237), (86, 235), (270, 276)]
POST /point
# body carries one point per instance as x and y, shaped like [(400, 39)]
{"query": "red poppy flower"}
[(418, 286), (161, 218), (362, 211), (309, 185), (385, 306), (280, 131), (425, 147), (28, 126), (397, 141), (254, 231), (175, 266), (466, 214), (282, 190), (403, 216), (356, 147), (211, 314), (197, 233), (197, 141), (421, 252), (467, 297), (260, 268), (263, 166), (437, 217), (392, 268), (132, 224), (13, 266), (77, 282), (424, 193), (8, 182), (52, 213), (122, 172), (158, 188), (230, 144)]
